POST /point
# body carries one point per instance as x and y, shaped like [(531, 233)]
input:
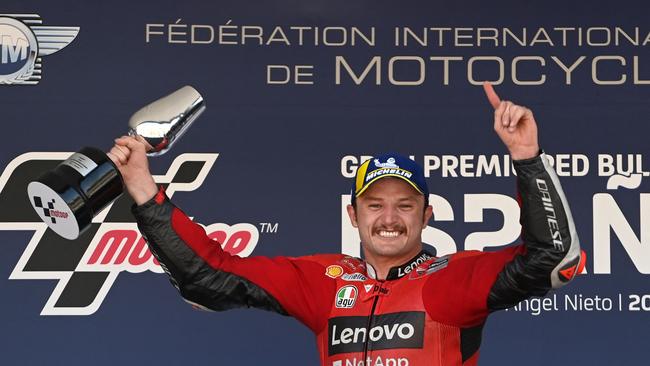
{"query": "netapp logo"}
[(388, 331), (370, 362)]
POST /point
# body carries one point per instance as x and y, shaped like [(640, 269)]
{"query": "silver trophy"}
[(69, 196)]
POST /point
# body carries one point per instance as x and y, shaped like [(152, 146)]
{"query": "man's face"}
[(390, 216)]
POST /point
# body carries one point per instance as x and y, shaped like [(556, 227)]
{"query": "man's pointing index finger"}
[(491, 95)]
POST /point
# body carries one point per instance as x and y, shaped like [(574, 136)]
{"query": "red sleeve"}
[(207, 276), (458, 294)]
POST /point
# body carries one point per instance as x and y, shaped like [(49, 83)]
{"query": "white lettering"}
[(609, 218)]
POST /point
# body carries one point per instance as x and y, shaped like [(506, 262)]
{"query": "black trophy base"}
[(69, 196)]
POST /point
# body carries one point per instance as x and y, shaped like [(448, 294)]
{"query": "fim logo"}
[(23, 41), (49, 211), (346, 297)]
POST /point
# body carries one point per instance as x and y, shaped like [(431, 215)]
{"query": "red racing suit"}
[(429, 311)]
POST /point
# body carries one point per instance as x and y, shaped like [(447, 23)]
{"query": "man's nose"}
[(389, 216)]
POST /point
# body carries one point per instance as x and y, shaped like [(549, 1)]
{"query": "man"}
[(402, 305)]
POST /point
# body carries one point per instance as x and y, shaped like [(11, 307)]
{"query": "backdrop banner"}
[(298, 95)]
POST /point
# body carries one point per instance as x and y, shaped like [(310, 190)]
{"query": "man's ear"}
[(428, 212), (353, 215)]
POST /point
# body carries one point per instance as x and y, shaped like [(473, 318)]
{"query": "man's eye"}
[(406, 207), (374, 205)]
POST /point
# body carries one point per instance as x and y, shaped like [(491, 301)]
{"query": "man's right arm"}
[(204, 274), (211, 278)]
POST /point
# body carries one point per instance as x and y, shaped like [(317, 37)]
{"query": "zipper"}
[(370, 319)]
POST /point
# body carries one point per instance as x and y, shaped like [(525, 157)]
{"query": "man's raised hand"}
[(515, 125), (129, 155)]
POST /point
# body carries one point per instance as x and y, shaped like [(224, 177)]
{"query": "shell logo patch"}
[(334, 271)]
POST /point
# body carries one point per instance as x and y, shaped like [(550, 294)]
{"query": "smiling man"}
[(390, 207), (400, 305)]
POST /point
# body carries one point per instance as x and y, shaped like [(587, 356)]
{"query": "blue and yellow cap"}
[(390, 165)]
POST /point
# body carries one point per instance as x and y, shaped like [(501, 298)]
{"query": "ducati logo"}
[(87, 267)]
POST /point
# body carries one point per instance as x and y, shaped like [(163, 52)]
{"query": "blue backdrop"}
[(274, 153)]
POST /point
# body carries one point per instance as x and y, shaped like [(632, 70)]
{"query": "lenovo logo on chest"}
[(387, 331)]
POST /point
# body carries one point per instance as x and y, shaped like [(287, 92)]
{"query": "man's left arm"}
[(480, 283), (551, 254)]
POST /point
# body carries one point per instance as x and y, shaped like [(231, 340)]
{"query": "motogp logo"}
[(87, 267)]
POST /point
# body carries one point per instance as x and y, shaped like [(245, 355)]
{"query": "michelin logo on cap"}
[(389, 167), (390, 163), (390, 171)]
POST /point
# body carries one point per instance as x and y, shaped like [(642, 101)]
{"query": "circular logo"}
[(18, 50), (51, 208)]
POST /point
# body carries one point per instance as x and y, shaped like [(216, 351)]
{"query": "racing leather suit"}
[(429, 311)]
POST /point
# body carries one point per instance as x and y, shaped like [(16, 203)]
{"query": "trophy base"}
[(55, 210), (69, 196)]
